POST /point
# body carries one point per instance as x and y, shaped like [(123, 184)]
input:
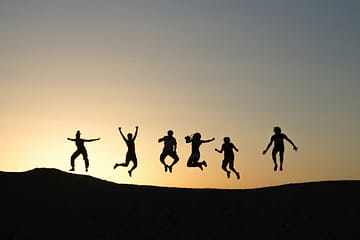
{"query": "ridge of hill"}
[(51, 204)]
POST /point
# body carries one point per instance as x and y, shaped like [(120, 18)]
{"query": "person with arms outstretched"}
[(169, 150), (80, 150), (194, 158), (279, 147), (130, 155), (227, 147)]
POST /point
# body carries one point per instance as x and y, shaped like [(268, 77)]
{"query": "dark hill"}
[(51, 204)]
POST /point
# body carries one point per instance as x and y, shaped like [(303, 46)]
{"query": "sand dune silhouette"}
[(51, 204)]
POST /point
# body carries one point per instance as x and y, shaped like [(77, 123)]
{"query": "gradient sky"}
[(223, 68)]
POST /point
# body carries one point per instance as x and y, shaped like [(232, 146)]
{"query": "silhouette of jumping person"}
[(130, 155), (169, 150), (80, 150), (194, 158), (227, 147), (278, 140)]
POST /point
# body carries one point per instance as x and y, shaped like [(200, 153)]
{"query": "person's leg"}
[(274, 158), (85, 157), (191, 161), (124, 164), (133, 167), (281, 153), (72, 161), (231, 167), (127, 161), (194, 161), (175, 158), (223, 166), (162, 160)]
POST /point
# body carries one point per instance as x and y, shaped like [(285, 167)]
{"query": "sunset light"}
[(221, 68)]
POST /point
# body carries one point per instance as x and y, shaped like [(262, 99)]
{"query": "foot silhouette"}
[(116, 165), (228, 174), (72, 169), (238, 176)]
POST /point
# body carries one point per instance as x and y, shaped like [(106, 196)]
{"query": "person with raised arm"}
[(130, 155)]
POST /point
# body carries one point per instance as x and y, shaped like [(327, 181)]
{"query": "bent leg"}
[(194, 161), (127, 161), (175, 157), (73, 157), (133, 167), (162, 160)]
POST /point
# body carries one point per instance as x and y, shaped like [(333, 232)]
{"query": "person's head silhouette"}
[(197, 136), (170, 133), (277, 130), (129, 136), (78, 134), (226, 139)]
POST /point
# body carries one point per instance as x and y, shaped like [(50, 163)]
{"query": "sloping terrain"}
[(51, 204)]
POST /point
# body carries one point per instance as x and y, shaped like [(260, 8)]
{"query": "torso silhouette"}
[(131, 146), (278, 140), (169, 143), (80, 144), (228, 149), (195, 146)]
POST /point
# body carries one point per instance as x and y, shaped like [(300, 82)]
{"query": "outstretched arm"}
[(91, 140), (122, 135), (219, 151), (70, 139), (268, 146), (209, 140), (291, 142), (136, 131)]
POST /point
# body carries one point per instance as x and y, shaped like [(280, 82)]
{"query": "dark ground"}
[(51, 204)]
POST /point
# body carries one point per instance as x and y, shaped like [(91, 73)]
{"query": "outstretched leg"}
[(126, 163)]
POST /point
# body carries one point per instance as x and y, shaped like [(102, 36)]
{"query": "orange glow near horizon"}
[(232, 69)]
